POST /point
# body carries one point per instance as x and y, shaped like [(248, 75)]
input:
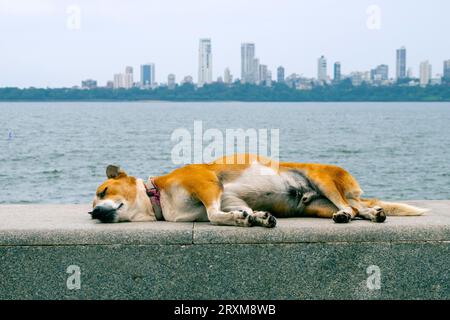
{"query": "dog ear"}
[(113, 172)]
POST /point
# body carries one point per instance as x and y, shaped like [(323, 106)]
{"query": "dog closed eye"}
[(102, 194)]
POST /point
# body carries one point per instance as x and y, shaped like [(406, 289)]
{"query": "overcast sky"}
[(42, 44)]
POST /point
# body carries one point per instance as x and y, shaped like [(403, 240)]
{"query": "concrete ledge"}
[(300, 259)]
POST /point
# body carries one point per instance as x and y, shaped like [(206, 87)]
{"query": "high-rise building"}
[(147, 75), (280, 74), (256, 70), (425, 73), (118, 81), (262, 74), (269, 78), (322, 69), (204, 62), (337, 72), (124, 80), (249, 67), (227, 76), (380, 73), (171, 82), (401, 63), (358, 77), (128, 78), (446, 71)]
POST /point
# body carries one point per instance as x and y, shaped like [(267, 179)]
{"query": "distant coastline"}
[(236, 92)]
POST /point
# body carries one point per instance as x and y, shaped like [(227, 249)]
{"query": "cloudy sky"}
[(59, 43)]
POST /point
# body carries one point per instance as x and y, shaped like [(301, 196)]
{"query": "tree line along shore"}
[(235, 92)]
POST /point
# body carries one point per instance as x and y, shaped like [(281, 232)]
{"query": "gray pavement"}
[(302, 258)]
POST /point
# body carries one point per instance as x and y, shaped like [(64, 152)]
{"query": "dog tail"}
[(395, 208)]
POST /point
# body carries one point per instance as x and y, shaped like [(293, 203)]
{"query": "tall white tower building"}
[(204, 62), (118, 81), (262, 74), (249, 65), (425, 73), (322, 69), (128, 78)]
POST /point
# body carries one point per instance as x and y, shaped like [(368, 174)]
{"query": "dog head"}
[(121, 198)]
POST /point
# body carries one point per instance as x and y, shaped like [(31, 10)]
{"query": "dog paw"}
[(379, 215), (264, 219), (244, 219), (342, 217), (271, 222)]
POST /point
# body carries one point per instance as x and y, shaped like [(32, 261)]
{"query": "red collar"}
[(155, 198)]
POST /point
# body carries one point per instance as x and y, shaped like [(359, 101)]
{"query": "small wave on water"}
[(56, 155), (17, 201), (23, 158), (348, 151), (52, 172)]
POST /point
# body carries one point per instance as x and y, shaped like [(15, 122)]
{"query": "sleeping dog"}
[(240, 190)]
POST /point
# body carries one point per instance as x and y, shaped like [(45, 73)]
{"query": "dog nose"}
[(104, 214)]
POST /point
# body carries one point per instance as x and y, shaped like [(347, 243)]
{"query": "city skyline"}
[(254, 72), (41, 48)]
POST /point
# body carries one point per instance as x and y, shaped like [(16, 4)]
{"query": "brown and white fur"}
[(241, 190)]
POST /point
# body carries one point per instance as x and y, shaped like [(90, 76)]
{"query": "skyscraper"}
[(322, 69), (248, 64), (128, 78), (147, 74), (262, 74), (268, 81), (425, 73), (204, 62), (256, 70), (401, 63), (337, 72), (447, 71), (118, 81), (280, 74)]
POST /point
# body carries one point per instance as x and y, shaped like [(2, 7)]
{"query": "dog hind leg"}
[(374, 214)]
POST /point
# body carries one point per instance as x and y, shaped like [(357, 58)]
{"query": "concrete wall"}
[(300, 259)]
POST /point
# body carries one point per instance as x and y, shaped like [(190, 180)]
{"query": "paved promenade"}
[(58, 252)]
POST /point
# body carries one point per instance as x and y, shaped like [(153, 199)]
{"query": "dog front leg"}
[(239, 218), (232, 203)]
